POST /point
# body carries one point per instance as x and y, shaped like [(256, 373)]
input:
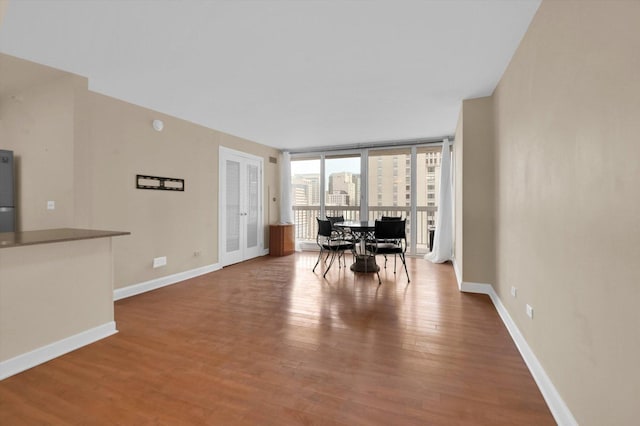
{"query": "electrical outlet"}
[(196, 253), (159, 261), (529, 311), (51, 205), (514, 292)]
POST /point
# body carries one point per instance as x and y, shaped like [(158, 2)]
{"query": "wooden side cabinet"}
[(281, 240)]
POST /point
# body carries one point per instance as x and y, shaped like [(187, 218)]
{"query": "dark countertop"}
[(45, 236)]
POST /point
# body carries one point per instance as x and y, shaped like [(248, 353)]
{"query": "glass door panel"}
[(232, 184), (253, 204)]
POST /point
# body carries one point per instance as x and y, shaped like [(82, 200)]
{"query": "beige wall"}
[(83, 150), (37, 123), (568, 202), (474, 195), (162, 223)]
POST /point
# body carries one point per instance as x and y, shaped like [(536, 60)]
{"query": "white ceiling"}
[(289, 74)]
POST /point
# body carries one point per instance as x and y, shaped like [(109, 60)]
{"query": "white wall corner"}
[(53, 350), (458, 273), (559, 409), (135, 289)]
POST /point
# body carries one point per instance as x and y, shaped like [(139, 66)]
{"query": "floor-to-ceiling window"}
[(367, 184), (306, 195), (389, 185), (342, 186), (427, 195)]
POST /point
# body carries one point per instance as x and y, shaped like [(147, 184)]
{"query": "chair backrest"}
[(391, 218), (324, 227), (334, 219), (390, 229)]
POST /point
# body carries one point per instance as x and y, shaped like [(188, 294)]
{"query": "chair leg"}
[(402, 257), (394, 263), (385, 261), (333, 257), (317, 261), (378, 273)]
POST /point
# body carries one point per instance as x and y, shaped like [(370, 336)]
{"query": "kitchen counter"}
[(56, 294), (45, 236)]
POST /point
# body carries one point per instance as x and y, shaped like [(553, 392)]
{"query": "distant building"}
[(306, 189), (337, 199), (343, 183)]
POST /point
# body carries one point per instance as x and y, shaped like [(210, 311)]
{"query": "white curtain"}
[(286, 209), (442, 249)]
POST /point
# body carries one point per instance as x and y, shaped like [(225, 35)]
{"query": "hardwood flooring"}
[(268, 342)]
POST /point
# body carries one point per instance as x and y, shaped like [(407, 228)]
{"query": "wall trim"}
[(559, 409), (143, 287), (53, 350)]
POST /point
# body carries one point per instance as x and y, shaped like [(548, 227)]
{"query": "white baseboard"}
[(46, 353), (476, 288), (559, 409), (132, 290), (265, 252)]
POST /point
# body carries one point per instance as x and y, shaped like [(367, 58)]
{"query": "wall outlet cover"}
[(51, 205), (159, 261), (529, 311)]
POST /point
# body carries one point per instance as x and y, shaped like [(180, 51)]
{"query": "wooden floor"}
[(268, 342)]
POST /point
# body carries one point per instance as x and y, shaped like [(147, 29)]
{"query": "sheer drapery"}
[(286, 208), (442, 249)]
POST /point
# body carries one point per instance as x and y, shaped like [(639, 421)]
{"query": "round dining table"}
[(363, 231)]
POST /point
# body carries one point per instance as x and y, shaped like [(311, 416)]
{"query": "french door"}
[(241, 229)]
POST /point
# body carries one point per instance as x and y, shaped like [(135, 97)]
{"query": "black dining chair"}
[(390, 238), (335, 219), (334, 243), (394, 256)]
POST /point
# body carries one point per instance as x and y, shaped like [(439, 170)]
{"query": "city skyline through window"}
[(336, 165)]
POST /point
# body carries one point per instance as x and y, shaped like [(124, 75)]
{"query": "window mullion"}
[(414, 201), (322, 186), (364, 184)]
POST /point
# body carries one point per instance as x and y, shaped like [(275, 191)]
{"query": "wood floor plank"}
[(270, 342)]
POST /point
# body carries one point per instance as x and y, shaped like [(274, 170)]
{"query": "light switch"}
[(51, 205), (529, 311)]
